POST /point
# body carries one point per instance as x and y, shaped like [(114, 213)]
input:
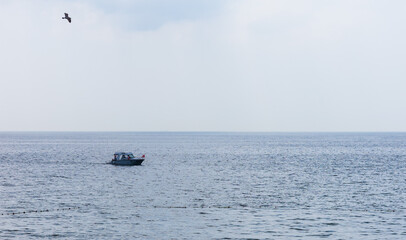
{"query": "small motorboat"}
[(126, 159)]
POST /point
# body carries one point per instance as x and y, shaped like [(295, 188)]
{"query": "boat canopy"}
[(123, 153)]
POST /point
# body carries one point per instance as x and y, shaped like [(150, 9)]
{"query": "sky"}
[(203, 65)]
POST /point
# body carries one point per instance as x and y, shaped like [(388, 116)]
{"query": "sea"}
[(58, 185)]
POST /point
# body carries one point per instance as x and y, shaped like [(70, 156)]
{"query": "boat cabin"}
[(123, 155)]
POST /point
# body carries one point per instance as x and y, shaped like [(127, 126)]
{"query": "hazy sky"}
[(203, 65)]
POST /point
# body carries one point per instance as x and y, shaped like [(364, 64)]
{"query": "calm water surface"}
[(203, 186)]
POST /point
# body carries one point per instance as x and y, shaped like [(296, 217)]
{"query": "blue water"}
[(203, 186)]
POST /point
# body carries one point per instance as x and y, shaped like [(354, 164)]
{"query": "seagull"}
[(67, 17)]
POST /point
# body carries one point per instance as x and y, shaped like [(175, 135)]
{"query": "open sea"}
[(203, 186)]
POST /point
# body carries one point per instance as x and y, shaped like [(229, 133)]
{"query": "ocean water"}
[(203, 186)]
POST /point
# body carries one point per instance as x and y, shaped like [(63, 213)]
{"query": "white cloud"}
[(255, 66)]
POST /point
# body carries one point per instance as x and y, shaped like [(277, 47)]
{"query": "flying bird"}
[(67, 17)]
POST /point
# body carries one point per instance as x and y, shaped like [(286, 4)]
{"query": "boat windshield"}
[(131, 155)]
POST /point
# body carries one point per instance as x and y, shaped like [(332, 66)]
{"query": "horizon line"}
[(170, 131)]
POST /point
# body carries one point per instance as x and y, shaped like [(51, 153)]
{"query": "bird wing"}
[(66, 15), (69, 19)]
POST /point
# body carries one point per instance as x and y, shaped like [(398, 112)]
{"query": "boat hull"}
[(129, 162)]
